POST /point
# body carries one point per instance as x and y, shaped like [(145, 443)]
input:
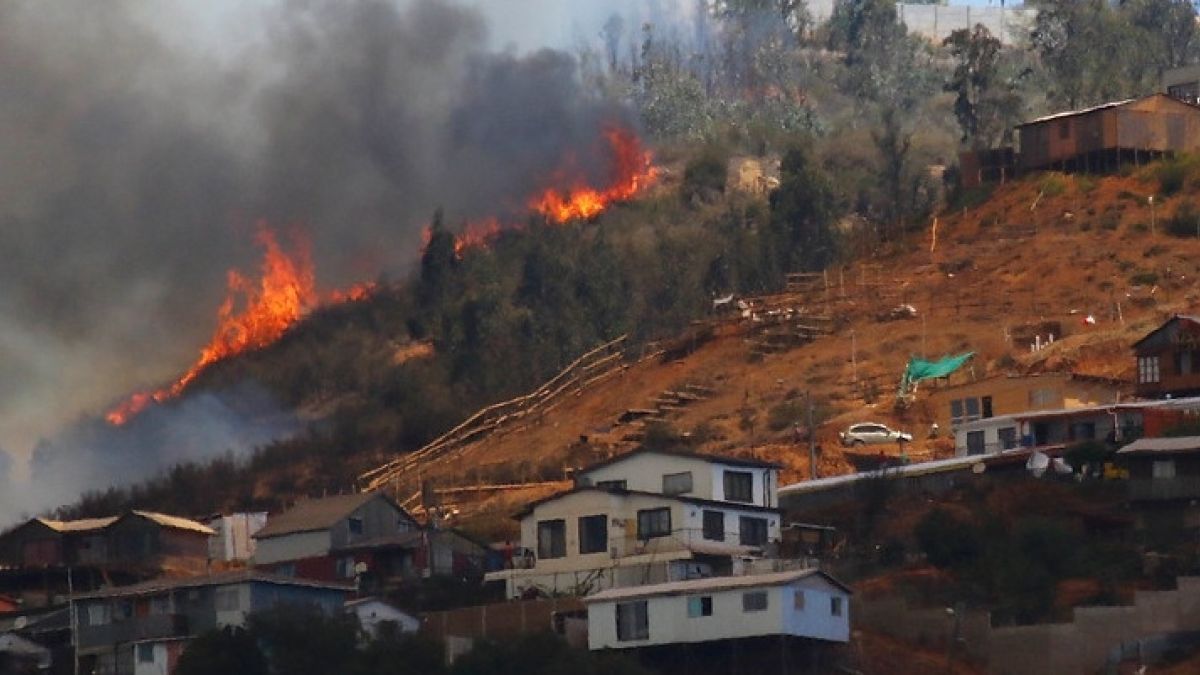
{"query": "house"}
[(954, 405), (43, 542), (1115, 423), (233, 537), (1103, 137), (158, 542), (1168, 359), (644, 517), (372, 612), (1163, 469), (303, 540), (807, 604), (364, 536), (143, 628), (1182, 83)]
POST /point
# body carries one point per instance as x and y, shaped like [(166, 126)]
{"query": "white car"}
[(873, 433)]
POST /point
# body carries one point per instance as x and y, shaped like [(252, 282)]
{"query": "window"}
[(798, 601), (355, 525), (754, 601), (654, 523), (699, 605), (975, 443), (633, 622), (286, 570), (965, 410), (1083, 431), (1043, 398), (739, 486), (593, 534), (160, 604), (145, 652), (345, 567), (226, 600), (835, 606), (1148, 369), (552, 539), (987, 406), (1008, 438), (752, 531), (677, 483), (714, 525), (99, 615), (612, 485), (1163, 468)]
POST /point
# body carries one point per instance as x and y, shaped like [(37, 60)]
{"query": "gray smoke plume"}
[(135, 163)]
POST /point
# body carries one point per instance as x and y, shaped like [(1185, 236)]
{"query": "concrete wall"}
[(936, 22), (670, 623), (1082, 646)]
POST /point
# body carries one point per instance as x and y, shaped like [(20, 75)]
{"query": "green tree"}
[(303, 640), (394, 653), (543, 654), (803, 214), (223, 652), (947, 540), (984, 104)]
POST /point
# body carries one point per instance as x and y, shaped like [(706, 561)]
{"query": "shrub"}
[(1185, 222), (1171, 175), (1144, 278), (705, 175), (947, 540), (1052, 185)]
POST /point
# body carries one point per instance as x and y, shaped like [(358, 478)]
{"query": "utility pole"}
[(812, 440)]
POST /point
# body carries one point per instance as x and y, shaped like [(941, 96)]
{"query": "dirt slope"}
[(1050, 248)]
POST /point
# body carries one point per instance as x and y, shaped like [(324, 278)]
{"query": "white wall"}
[(157, 667), (372, 613), (291, 547), (765, 484), (234, 540), (669, 622), (643, 472)]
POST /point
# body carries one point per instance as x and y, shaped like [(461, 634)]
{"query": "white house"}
[(644, 518), (720, 479), (807, 604), (372, 612)]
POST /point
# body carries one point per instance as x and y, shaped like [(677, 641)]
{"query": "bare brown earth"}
[(1041, 249)]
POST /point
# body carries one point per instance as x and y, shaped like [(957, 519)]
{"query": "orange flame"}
[(631, 171), (253, 315)]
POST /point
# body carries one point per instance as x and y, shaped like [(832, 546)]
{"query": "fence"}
[(589, 369)]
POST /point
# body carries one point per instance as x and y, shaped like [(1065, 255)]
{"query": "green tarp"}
[(920, 369)]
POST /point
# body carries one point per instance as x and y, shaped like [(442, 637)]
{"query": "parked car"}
[(870, 433)]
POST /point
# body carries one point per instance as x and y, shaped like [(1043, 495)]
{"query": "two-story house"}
[(143, 628), (647, 517), (1168, 359), (365, 537)]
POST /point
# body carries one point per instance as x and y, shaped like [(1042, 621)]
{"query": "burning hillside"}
[(567, 192), (255, 313)]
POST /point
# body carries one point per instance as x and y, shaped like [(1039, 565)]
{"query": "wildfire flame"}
[(567, 195), (255, 313), (632, 171)]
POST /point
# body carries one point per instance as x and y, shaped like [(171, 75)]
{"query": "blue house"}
[(143, 628)]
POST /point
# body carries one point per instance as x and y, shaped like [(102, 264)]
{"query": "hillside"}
[(1044, 249)]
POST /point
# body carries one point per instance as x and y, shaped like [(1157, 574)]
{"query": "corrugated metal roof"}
[(710, 584), (311, 515), (1150, 446), (220, 579), (1081, 111), (175, 522), (81, 525), (684, 454)]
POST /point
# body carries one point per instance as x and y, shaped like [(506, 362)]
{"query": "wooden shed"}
[(1104, 137)]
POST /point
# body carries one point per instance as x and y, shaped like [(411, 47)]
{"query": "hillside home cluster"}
[(670, 548)]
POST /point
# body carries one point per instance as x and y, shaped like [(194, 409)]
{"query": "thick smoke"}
[(136, 162)]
